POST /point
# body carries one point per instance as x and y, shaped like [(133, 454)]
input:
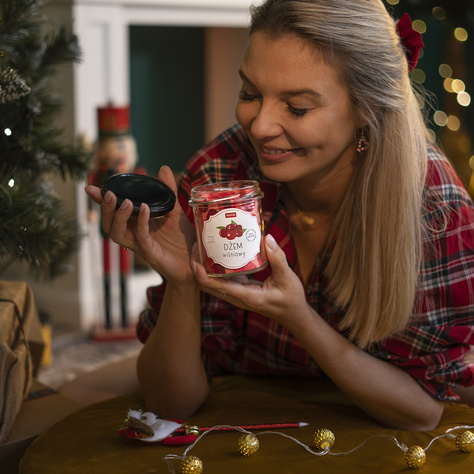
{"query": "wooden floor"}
[(74, 355)]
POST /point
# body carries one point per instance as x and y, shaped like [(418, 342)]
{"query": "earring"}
[(363, 144)]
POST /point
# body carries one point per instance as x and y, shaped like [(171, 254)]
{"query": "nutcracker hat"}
[(113, 120)]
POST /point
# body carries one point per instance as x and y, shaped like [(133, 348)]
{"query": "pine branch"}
[(35, 227), (42, 235), (62, 47), (20, 27)]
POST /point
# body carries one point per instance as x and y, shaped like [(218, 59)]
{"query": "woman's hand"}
[(278, 297), (165, 242)]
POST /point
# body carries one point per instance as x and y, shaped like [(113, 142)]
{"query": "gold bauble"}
[(191, 465), (192, 429), (324, 438), (248, 444), (465, 441), (415, 457)]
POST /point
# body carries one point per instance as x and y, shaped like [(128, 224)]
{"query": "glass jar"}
[(229, 227)]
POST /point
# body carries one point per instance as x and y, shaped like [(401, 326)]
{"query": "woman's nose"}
[(266, 123)]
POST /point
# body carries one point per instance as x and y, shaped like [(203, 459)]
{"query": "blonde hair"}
[(374, 268)]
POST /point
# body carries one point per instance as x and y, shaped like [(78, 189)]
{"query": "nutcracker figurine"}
[(114, 152)]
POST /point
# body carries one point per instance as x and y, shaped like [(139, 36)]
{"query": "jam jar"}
[(229, 227)]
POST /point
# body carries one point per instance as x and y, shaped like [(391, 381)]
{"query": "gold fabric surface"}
[(88, 440)]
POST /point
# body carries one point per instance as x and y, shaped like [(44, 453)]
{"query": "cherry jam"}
[(229, 227)]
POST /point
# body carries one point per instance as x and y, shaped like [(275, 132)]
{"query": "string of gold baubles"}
[(248, 445)]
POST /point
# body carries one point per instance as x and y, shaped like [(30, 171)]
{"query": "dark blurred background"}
[(446, 71)]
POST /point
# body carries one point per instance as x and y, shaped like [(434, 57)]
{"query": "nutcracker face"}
[(112, 154)]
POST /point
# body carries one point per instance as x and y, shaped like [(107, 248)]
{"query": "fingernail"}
[(271, 242), (107, 197), (194, 267), (125, 204)]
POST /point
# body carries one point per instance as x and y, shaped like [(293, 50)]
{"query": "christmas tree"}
[(34, 225)]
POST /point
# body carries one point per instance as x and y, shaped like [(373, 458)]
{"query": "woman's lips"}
[(277, 154)]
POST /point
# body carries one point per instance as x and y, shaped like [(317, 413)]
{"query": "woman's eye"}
[(245, 96), (297, 112)]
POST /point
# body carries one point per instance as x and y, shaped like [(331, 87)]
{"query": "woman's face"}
[(296, 111)]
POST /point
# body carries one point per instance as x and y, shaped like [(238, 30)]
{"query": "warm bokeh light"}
[(464, 99), (420, 26), (418, 76), (458, 86), (420, 100), (451, 84), (439, 13), (432, 136), (454, 124), (445, 70), (460, 34), (440, 118), (448, 84)]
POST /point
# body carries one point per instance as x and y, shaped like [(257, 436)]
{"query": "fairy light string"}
[(415, 456)]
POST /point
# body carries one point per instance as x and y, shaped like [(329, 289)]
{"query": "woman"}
[(369, 233)]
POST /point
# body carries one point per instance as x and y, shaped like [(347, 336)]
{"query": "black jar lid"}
[(141, 188)]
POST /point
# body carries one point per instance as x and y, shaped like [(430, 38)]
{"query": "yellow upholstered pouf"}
[(88, 440)]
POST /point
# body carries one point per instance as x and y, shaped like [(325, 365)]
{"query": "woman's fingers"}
[(120, 230), (269, 297), (94, 193), (277, 260), (143, 220), (142, 230), (166, 175), (114, 222), (107, 211), (223, 288)]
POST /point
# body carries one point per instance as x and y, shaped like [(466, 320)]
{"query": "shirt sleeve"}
[(433, 347)]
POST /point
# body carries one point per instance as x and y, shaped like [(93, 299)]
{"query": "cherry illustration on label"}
[(231, 231)]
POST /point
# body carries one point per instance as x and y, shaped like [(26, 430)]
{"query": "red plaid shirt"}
[(433, 346)]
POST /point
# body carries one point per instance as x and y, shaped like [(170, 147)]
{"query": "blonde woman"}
[(370, 235)]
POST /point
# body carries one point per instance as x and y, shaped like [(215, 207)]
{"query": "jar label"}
[(232, 238)]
